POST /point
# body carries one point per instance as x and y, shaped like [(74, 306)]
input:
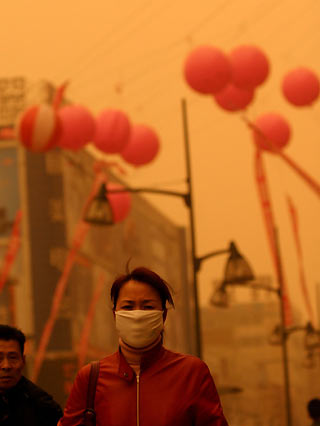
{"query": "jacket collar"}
[(19, 388), (148, 358)]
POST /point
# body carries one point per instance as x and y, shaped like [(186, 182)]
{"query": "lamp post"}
[(312, 335), (311, 339), (100, 213), (220, 298)]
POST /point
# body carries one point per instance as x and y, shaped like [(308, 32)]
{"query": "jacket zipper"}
[(138, 392)]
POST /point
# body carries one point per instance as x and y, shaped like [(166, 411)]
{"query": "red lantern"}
[(301, 87), (271, 132), (120, 202), (232, 98), (39, 128), (78, 127), (142, 147), (207, 70), (112, 131), (250, 66)]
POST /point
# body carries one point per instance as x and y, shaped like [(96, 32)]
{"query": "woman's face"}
[(135, 295)]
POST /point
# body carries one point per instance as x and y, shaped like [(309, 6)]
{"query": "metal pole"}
[(284, 340), (192, 230), (285, 365)]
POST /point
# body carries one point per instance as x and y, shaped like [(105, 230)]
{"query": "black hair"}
[(314, 408), (7, 332), (146, 276)]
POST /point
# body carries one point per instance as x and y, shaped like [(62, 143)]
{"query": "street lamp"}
[(237, 269), (220, 298), (99, 211), (311, 338)]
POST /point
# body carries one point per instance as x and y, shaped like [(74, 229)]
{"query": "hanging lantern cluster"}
[(71, 127), (231, 79), (43, 127), (301, 88)]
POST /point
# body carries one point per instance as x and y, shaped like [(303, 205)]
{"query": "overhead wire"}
[(180, 40), (115, 174), (261, 17), (127, 91), (276, 27), (158, 92), (125, 35), (91, 52), (185, 38)]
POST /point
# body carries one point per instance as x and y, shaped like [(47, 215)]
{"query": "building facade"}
[(56, 287), (243, 361)]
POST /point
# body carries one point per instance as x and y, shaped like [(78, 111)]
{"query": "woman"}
[(143, 383)]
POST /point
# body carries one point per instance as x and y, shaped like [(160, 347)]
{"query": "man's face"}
[(11, 364)]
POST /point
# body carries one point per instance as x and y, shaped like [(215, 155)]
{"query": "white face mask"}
[(139, 328)]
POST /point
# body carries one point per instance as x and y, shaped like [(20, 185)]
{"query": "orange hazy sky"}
[(130, 54)]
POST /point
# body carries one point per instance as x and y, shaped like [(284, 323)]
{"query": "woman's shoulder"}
[(108, 361), (186, 359), (189, 366)]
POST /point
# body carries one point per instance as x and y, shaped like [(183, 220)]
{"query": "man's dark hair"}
[(7, 332), (314, 408)]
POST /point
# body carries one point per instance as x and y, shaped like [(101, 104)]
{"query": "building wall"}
[(55, 187), (145, 238), (240, 357), (51, 188)]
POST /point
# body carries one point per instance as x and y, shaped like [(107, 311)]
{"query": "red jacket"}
[(172, 390)]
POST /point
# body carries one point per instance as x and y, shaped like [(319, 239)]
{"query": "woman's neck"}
[(133, 355)]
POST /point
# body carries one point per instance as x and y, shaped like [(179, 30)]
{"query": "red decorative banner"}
[(58, 96), (12, 304), (84, 339), (266, 206), (295, 228), (13, 248), (315, 186), (308, 179), (79, 236)]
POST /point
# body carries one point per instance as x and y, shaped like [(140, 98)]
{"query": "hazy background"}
[(130, 54)]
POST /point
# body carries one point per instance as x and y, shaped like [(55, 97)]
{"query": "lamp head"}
[(312, 337), (99, 211), (220, 297), (277, 335), (237, 270)]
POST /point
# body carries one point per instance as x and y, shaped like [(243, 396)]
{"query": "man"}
[(314, 411), (22, 403)]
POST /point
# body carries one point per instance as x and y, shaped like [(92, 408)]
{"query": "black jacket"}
[(28, 405)]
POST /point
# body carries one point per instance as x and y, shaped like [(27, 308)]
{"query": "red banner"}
[(308, 179), (266, 206), (295, 228), (13, 248), (84, 339), (79, 236), (315, 186)]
